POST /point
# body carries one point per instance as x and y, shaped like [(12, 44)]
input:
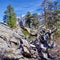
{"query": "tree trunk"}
[(45, 15)]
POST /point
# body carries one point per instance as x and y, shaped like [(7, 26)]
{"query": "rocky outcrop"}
[(14, 46), (30, 31)]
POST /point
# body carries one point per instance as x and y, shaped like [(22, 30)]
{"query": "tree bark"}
[(45, 15)]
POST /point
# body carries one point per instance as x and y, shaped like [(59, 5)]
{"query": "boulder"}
[(33, 46), (26, 43), (45, 56), (26, 52)]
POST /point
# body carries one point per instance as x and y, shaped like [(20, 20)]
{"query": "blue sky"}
[(21, 7)]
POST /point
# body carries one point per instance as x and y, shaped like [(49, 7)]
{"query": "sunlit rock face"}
[(21, 20), (14, 46)]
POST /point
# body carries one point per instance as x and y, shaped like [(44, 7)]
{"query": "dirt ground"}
[(58, 41), (56, 51), (58, 46)]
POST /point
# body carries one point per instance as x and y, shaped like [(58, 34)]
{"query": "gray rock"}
[(14, 45), (26, 52), (26, 43)]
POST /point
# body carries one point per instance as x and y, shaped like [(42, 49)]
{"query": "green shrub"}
[(58, 33), (25, 32)]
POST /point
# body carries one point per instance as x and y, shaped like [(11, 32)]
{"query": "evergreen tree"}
[(28, 19), (10, 17), (35, 21), (49, 11)]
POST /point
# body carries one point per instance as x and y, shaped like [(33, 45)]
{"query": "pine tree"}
[(28, 19), (10, 17)]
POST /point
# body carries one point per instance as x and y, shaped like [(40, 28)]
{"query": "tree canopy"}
[(10, 17)]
